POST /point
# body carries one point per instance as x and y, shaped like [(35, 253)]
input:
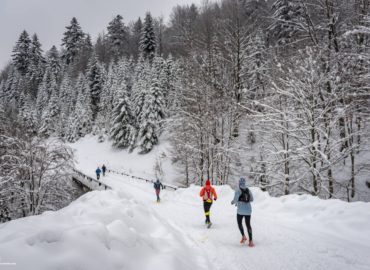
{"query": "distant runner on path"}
[(242, 200), (157, 186), (98, 172), (104, 169)]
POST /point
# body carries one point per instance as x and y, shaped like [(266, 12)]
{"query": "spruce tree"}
[(53, 61), (50, 116), (36, 65), (117, 36), (106, 99), (72, 41), (140, 87), (95, 78), (152, 117), (45, 89), (135, 37), (148, 39), (122, 130), (67, 100), (21, 53), (80, 121), (82, 59), (36, 54)]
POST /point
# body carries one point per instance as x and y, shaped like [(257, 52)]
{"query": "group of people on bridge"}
[(98, 171)]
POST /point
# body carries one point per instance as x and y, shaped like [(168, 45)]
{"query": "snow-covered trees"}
[(53, 61), (135, 37), (275, 90), (21, 53), (72, 41), (34, 174), (288, 17), (148, 39), (80, 121), (123, 132), (50, 115), (151, 117), (95, 78), (36, 65), (117, 36)]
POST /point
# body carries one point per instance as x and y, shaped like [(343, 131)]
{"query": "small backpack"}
[(245, 196)]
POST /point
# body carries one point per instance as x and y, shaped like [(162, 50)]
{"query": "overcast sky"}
[(48, 18)]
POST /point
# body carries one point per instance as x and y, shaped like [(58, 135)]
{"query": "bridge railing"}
[(89, 182), (165, 186)]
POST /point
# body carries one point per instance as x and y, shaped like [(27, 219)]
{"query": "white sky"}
[(48, 18)]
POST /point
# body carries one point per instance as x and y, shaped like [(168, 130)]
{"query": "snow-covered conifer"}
[(117, 36), (21, 53), (148, 39), (72, 41), (151, 117), (95, 78)]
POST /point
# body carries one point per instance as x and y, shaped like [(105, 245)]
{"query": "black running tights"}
[(247, 222)]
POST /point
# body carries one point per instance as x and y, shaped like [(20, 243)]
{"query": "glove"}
[(215, 199)]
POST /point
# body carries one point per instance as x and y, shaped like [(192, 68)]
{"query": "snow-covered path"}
[(284, 238)]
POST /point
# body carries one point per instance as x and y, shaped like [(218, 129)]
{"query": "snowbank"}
[(101, 230)]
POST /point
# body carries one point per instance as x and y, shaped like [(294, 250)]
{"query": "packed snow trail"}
[(291, 232)]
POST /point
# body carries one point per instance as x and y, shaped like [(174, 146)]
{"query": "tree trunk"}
[(352, 174)]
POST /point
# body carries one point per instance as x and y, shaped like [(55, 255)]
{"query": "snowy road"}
[(284, 238)]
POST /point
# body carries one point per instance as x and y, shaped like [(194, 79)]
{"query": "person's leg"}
[(239, 218), (157, 193), (249, 227), (207, 212)]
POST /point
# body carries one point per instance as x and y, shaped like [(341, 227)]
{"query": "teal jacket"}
[(243, 208)]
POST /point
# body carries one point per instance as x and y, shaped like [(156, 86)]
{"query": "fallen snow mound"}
[(101, 230)]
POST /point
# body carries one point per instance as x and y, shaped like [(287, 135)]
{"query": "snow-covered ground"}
[(90, 154), (126, 229)]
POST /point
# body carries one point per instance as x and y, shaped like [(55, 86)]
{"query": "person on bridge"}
[(242, 200), (157, 186), (208, 194), (98, 172), (104, 169)]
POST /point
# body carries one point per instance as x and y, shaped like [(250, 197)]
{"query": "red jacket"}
[(208, 193)]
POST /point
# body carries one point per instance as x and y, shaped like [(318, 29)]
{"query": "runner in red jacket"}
[(208, 194)]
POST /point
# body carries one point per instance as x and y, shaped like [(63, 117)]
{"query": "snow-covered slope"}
[(126, 229), (90, 154)]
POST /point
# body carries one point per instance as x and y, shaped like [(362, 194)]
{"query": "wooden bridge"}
[(88, 182)]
